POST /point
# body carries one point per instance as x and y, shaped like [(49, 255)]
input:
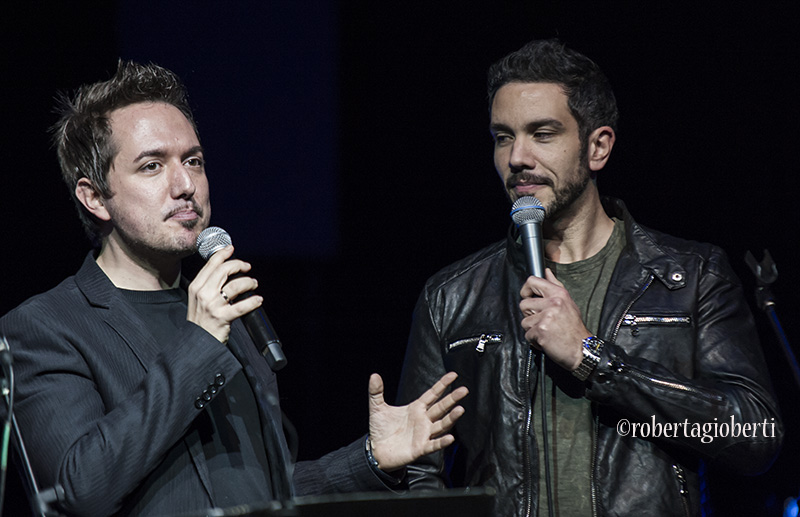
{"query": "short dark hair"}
[(82, 135), (589, 95)]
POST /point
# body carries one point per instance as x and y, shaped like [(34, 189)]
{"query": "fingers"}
[(214, 281), (443, 424), (238, 286), (438, 444), (440, 410), (443, 412), (530, 337), (535, 286), (530, 306), (216, 299), (212, 264), (219, 268), (538, 294), (434, 392), (227, 301), (241, 307)]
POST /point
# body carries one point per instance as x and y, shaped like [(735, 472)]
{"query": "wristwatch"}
[(371, 457), (592, 346)]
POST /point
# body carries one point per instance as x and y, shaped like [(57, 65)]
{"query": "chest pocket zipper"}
[(480, 342), (634, 321)]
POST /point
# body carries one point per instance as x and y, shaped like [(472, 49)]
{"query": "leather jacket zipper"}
[(633, 321), (628, 307), (683, 487), (479, 341), (613, 339), (488, 338), (526, 449), (592, 487), (620, 366)]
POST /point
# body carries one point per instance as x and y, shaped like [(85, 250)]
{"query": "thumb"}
[(549, 275), (375, 391)]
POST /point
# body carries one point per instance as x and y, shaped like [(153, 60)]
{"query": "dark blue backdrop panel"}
[(262, 81)]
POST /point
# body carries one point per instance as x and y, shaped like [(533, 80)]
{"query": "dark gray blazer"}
[(109, 414)]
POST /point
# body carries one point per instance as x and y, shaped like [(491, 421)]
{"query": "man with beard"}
[(632, 326), (140, 393)]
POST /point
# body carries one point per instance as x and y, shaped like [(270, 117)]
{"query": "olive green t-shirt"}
[(569, 413)]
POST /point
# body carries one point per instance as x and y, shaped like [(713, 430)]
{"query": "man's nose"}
[(521, 156), (181, 183)]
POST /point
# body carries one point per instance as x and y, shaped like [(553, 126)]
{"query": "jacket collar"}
[(98, 289), (644, 249), (640, 245), (115, 311)]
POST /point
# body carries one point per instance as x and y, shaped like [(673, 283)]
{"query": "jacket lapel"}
[(117, 313), (264, 384)]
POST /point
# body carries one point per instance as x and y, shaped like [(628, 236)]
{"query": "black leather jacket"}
[(681, 348)]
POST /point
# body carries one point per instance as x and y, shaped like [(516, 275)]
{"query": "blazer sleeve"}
[(96, 417), (341, 471)]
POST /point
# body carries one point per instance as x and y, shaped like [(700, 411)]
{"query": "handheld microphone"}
[(213, 239), (528, 213)]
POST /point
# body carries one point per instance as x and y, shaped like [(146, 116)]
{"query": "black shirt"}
[(229, 425)]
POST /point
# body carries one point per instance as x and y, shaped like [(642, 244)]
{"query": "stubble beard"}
[(565, 196), (169, 247)]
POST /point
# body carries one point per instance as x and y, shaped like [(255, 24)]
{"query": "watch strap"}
[(591, 348)]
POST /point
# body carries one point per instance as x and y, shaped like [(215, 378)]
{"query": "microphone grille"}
[(211, 240), (527, 209)]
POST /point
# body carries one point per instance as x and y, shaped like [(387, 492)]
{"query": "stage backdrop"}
[(349, 157)]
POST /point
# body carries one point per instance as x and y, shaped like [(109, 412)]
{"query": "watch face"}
[(593, 343), (591, 356)]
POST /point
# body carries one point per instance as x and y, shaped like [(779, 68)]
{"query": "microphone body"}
[(260, 329), (213, 239), (528, 213)]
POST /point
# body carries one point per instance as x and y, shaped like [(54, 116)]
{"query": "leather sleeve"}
[(422, 367), (710, 373)]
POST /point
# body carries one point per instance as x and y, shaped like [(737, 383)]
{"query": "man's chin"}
[(539, 194), (193, 223), (195, 226), (185, 244)]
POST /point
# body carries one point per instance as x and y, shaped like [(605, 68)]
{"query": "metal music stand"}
[(766, 273), (40, 500)]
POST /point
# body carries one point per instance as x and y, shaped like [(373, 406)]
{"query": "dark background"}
[(349, 157)]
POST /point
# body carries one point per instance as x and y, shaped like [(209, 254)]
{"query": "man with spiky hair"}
[(645, 340), (141, 393)]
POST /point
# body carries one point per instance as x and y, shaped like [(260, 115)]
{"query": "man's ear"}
[(601, 141), (91, 199)]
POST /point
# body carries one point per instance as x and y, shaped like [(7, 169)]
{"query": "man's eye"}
[(543, 135), (151, 167), (501, 139), (195, 162)]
